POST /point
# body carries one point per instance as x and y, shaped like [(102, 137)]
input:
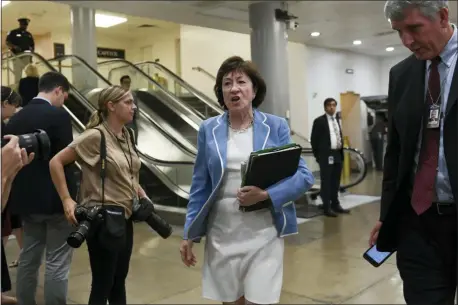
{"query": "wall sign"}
[(111, 53), (59, 49)]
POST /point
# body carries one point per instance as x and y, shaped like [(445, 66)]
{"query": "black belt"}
[(445, 208)]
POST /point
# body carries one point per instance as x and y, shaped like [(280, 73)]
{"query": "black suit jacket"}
[(406, 107), (321, 138), (28, 89), (33, 191)]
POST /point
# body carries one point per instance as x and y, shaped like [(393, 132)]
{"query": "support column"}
[(84, 45), (269, 42)]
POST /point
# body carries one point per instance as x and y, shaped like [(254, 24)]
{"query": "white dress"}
[(243, 255)]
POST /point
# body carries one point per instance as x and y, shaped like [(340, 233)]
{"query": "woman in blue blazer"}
[(243, 251)]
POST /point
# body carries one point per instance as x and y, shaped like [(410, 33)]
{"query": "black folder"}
[(268, 167)]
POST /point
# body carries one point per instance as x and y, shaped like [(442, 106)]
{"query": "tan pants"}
[(19, 63)]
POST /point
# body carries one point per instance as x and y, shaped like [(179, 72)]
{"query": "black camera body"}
[(86, 218), (37, 142), (143, 210)]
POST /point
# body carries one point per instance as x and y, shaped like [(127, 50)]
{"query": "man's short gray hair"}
[(394, 9)]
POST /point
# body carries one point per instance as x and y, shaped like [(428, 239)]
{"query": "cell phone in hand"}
[(375, 257)]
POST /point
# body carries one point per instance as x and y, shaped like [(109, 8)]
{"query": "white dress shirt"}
[(334, 136)]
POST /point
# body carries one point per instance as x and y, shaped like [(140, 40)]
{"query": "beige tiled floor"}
[(323, 265)]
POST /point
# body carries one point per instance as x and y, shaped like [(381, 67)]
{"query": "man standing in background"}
[(18, 41), (327, 147)]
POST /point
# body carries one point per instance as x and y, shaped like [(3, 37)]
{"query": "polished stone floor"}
[(323, 265)]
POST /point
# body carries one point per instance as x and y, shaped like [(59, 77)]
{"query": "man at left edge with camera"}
[(34, 197)]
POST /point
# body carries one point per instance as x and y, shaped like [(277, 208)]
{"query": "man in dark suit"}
[(418, 217), (34, 197), (327, 147)]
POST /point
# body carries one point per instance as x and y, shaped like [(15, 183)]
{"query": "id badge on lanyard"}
[(434, 117)]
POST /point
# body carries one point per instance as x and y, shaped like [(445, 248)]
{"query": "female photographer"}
[(110, 242)]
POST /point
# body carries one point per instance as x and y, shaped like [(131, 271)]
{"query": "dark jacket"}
[(28, 89), (405, 111), (33, 191), (321, 138)]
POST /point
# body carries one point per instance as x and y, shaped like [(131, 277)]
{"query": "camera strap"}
[(132, 139), (103, 162)]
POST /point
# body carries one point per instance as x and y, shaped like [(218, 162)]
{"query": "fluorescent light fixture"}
[(315, 34), (5, 3), (357, 42), (390, 49), (106, 21)]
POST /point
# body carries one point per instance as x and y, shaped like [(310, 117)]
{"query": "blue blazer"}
[(269, 131)]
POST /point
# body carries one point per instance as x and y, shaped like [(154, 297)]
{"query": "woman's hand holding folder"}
[(249, 195)]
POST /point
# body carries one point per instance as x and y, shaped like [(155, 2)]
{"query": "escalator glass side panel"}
[(354, 167), (113, 70), (81, 112), (150, 102), (182, 90), (158, 192)]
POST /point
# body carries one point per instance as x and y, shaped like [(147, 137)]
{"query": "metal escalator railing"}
[(115, 68), (175, 175), (202, 70), (167, 171), (91, 87), (173, 83)]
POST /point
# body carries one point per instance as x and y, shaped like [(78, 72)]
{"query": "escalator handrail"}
[(85, 63), (168, 94), (147, 116), (201, 96), (75, 119), (356, 152), (81, 98), (202, 70)]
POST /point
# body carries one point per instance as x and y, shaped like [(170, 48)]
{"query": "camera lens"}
[(37, 142), (76, 238), (159, 225)]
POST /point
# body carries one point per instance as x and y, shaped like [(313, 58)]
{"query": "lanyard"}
[(130, 164)]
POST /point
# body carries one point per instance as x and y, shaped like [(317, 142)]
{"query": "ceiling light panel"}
[(106, 21)]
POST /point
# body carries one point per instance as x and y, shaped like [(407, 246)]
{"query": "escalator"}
[(154, 98), (175, 85), (166, 181)]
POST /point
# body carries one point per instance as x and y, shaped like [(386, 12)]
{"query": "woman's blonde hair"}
[(31, 70), (112, 94)]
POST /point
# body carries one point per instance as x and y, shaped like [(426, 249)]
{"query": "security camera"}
[(292, 25)]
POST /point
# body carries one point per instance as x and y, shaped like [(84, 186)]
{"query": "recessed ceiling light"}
[(357, 42), (390, 49), (5, 3), (315, 34), (106, 21)]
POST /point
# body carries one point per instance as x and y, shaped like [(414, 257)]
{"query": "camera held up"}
[(37, 142)]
